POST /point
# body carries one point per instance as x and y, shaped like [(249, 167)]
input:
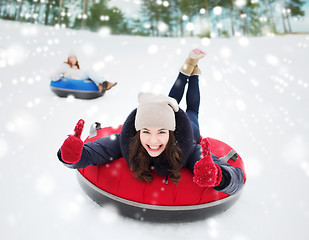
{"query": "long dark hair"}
[(140, 161)]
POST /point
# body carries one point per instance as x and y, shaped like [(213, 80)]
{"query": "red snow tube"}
[(114, 183)]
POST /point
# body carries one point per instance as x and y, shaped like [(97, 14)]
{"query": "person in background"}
[(71, 69)]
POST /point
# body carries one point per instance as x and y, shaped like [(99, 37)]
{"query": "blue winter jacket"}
[(113, 147)]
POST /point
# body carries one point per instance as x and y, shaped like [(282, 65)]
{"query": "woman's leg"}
[(190, 70), (99, 81), (193, 94), (193, 105), (192, 98), (95, 77), (178, 88), (186, 70)]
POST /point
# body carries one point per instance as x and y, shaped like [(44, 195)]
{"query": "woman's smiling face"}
[(73, 60), (154, 140)]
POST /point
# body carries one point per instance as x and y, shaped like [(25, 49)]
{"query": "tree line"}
[(172, 18)]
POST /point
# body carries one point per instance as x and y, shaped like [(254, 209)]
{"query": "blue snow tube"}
[(83, 89)]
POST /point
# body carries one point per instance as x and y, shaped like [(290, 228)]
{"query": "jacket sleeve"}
[(101, 151), (59, 72), (232, 177)]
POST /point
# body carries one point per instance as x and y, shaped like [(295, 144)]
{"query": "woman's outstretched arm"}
[(210, 171), (75, 154)]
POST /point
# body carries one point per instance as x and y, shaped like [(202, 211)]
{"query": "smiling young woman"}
[(154, 140), (147, 145), (160, 138)]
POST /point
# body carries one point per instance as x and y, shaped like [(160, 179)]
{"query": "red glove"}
[(206, 172), (71, 149)]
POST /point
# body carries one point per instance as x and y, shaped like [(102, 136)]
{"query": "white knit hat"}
[(156, 111), (72, 53)]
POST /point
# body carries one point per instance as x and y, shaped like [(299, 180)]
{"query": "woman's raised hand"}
[(71, 149), (206, 172)]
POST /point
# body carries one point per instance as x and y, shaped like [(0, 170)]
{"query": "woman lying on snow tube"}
[(159, 141), (69, 79)]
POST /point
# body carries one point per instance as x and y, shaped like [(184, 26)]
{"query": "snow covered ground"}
[(255, 97)]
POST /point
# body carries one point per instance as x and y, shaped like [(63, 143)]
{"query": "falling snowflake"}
[(190, 26), (205, 41), (104, 32), (153, 49), (243, 41), (241, 105), (272, 60), (225, 52), (162, 27)]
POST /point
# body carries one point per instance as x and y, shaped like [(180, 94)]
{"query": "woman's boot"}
[(196, 71), (194, 56)]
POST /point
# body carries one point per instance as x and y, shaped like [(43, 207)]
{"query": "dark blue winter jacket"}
[(110, 148)]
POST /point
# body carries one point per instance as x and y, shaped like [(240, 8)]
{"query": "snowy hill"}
[(255, 97)]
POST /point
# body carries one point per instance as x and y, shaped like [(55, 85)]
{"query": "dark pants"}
[(192, 98)]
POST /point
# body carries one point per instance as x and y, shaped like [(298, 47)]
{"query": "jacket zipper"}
[(166, 180)]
